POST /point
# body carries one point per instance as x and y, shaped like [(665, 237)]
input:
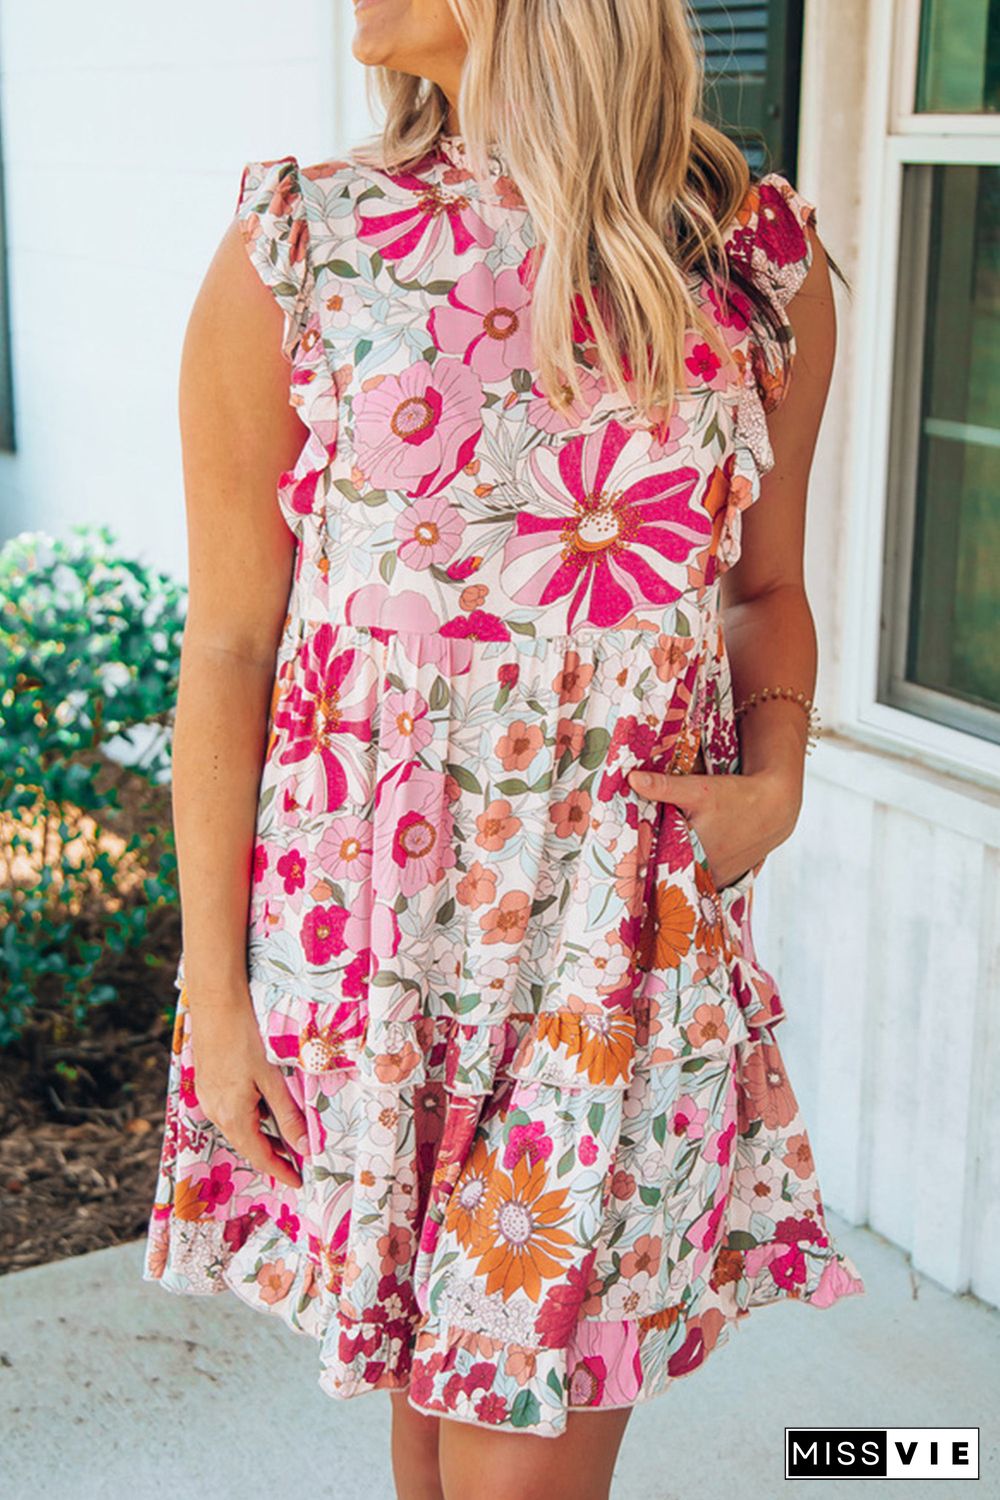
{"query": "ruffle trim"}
[(448, 1368), (271, 211)]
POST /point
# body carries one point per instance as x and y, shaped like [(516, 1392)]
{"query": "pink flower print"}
[(587, 1151), (405, 729), (216, 1188), (334, 698), (479, 626), (416, 221), (345, 849), (288, 1222), (730, 313), (544, 414), (414, 431), (292, 869), (688, 1120), (486, 321), (428, 531), (527, 1140), (610, 529), (322, 933), (386, 933), (667, 433), (413, 831), (704, 367), (259, 863)]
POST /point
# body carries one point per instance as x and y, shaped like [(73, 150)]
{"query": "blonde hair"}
[(594, 108)]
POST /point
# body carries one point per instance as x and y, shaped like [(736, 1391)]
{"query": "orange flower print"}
[(275, 1281), (643, 1258), (518, 747), (767, 1094), (473, 597), (395, 1248), (496, 825), (477, 887), (508, 922), (569, 737), (188, 1201), (630, 871), (709, 932), (522, 1242), (464, 1214), (799, 1157), (571, 816), (602, 1041), (520, 1364), (667, 936), (574, 679), (669, 656), (708, 1025)]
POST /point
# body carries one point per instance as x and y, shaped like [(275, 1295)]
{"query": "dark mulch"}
[(81, 1124)]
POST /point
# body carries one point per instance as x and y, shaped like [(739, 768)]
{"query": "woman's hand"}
[(232, 1072), (739, 818)]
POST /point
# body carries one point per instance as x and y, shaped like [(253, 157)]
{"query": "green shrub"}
[(89, 659)]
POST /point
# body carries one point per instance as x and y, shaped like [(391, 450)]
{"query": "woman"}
[(487, 1098)]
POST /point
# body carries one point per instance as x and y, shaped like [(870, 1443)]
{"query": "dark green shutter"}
[(753, 55)]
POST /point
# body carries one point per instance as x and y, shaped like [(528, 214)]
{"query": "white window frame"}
[(897, 136)]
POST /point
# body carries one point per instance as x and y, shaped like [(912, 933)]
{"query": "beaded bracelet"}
[(813, 732)]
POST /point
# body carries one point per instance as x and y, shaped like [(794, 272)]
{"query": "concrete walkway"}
[(112, 1389)]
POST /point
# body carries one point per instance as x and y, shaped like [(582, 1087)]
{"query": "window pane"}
[(954, 594), (959, 56)]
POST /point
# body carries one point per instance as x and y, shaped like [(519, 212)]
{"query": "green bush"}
[(89, 660)]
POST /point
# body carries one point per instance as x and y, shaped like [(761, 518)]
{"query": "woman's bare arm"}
[(238, 434), (770, 632)]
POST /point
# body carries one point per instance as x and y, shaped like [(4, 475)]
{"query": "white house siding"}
[(125, 129)]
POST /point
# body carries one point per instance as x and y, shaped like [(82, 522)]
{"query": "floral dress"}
[(553, 1151)]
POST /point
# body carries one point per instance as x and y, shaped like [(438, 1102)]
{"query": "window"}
[(753, 51), (941, 588)]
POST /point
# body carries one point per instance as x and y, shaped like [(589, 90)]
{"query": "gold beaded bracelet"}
[(814, 730)]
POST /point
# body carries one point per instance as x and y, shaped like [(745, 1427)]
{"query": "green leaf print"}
[(595, 1118), (650, 1196), (566, 1162), (387, 566), (361, 348), (526, 1409), (660, 1129), (465, 778), (512, 787), (341, 268), (440, 695), (555, 1384), (446, 912), (595, 748)]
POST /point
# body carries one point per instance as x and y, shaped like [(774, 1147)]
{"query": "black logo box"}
[(852, 1452)]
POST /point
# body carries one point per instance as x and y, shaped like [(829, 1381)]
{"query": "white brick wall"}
[(125, 128)]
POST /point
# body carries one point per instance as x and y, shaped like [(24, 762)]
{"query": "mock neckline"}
[(452, 146)]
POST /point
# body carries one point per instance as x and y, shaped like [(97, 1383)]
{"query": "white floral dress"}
[(553, 1151)]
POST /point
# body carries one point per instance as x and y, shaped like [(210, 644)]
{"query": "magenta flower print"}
[(428, 531), (416, 221), (779, 231), (615, 537), (486, 321), (413, 831), (414, 431), (323, 933), (332, 701)]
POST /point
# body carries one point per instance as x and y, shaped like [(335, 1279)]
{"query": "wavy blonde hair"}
[(594, 107)]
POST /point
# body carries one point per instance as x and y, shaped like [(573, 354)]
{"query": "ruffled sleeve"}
[(768, 245), (272, 213)]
